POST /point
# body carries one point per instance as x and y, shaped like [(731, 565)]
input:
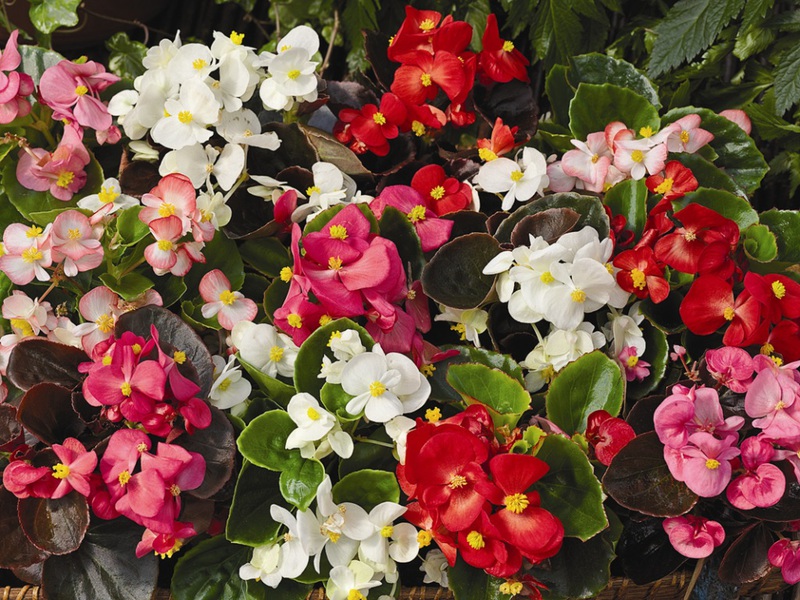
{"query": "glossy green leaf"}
[(589, 207), (469, 583), (759, 243), (708, 175), (130, 286), (570, 490), (266, 255), (629, 199), (657, 354), (785, 224), (735, 208), (49, 15), (126, 56), (396, 227), (442, 391), (192, 315), (299, 485), (223, 254), (599, 68), (129, 227), (593, 382), (36, 60), (595, 106), (367, 488), (309, 358), (263, 442), (171, 289), (559, 92), (276, 390), (335, 399), (505, 397)]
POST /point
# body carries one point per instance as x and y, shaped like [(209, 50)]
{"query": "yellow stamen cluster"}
[(223, 387), (227, 297), (508, 46), (379, 118), (354, 594), (166, 209), (424, 539), (486, 154), (199, 64), (637, 156), (516, 503), (335, 335), (417, 214), (286, 274), (438, 192), (32, 254), (65, 178), (22, 326), (665, 186), (712, 464), (107, 195), (237, 38), (426, 80), (516, 175), (165, 245), (433, 415), (639, 279), (335, 263), (684, 136), (778, 289), (457, 481), (276, 353), (729, 313), (646, 131), (427, 370), (33, 231), (427, 25), (324, 320), (179, 356), (124, 477), (376, 388), (387, 531), (547, 278), (293, 74), (126, 389), (632, 361), (461, 329), (105, 323), (60, 471), (418, 128), (81, 90), (313, 414), (185, 117), (578, 296), (295, 320), (314, 189), (511, 587), (475, 540), (338, 232)]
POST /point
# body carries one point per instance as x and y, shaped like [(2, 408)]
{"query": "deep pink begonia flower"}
[(785, 554), (62, 172), (688, 411), (74, 469), (15, 87), (732, 367), (763, 484), (706, 467), (432, 231)]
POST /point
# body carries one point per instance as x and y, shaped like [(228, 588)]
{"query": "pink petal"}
[(213, 284)]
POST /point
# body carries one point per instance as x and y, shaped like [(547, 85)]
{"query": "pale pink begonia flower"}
[(589, 162), (28, 317), (107, 201), (75, 243), (692, 536), (687, 135), (99, 307), (639, 157), (27, 253), (62, 172), (617, 131), (706, 468), (229, 307), (560, 181), (187, 253), (15, 87), (771, 400), (763, 484), (173, 196), (73, 90), (732, 367), (739, 117)]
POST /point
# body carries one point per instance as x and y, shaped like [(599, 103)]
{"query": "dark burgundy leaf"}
[(645, 552), (746, 560), (513, 102), (331, 150), (250, 216), (172, 330), (589, 208), (38, 360), (217, 444), (639, 479), (402, 151), (518, 345), (466, 221), (138, 177), (56, 526), (549, 224), (46, 411), (376, 45), (105, 567), (641, 415), (31, 574), (349, 94), (9, 426), (16, 550), (494, 221)]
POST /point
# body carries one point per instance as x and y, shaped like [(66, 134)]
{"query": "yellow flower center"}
[(778, 362), (379, 118), (475, 540), (65, 178), (237, 38), (426, 80), (387, 531), (427, 370), (166, 209), (547, 277), (417, 213), (438, 192), (427, 25), (106, 360), (338, 232), (578, 296), (60, 471), (595, 158), (223, 387), (314, 189), (712, 464), (33, 231), (334, 336), (293, 74), (639, 279), (516, 175), (424, 539), (690, 236), (354, 594), (295, 320), (665, 186), (457, 481), (126, 389), (199, 63), (728, 313), (165, 245), (511, 587), (684, 136), (276, 353), (284, 48), (74, 234), (136, 348), (107, 195), (335, 263), (632, 361), (313, 414), (646, 131), (433, 415), (124, 478), (637, 156), (486, 155), (105, 323), (516, 503), (778, 289), (332, 535), (142, 447), (418, 128), (81, 90), (376, 388), (175, 490), (324, 320), (168, 554), (32, 254), (286, 274), (508, 46), (461, 329), (185, 117), (179, 356), (23, 326)]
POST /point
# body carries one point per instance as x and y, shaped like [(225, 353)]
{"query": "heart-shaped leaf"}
[(249, 521), (549, 224), (504, 397), (46, 411), (299, 486), (57, 526), (37, 360), (629, 199), (595, 106), (590, 209), (746, 560), (367, 488), (217, 445), (263, 441)]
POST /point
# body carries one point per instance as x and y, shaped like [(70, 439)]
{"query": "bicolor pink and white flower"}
[(27, 253), (687, 135), (229, 307), (75, 243), (639, 157)]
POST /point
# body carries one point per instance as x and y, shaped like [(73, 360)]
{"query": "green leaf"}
[(36, 60), (595, 106), (126, 56), (657, 354), (469, 583), (130, 286), (708, 175), (690, 27), (223, 254), (396, 227), (335, 399), (299, 484), (593, 382), (49, 15), (477, 13), (599, 68), (444, 392), (249, 521), (559, 92), (787, 80), (785, 224), (755, 11), (737, 152), (130, 228), (769, 125), (735, 208), (266, 255), (276, 390), (263, 442), (357, 16), (570, 490), (629, 199), (367, 488), (192, 315), (309, 358), (171, 289), (504, 397), (759, 243)]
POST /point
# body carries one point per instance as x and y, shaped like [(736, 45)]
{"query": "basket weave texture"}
[(672, 587)]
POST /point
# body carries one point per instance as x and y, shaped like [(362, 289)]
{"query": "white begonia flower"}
[(344, 525), (435, 566), (389, 542), (384, 386), (212, 208), (292, 78), (519, 181), (585, 287), (199, 163), (624, 329), (313, 422), (302, 36), (143, 151), (556, 351), (500, 265), (345, 345), (469, 323), (159, 57), (398, 429), (229, 388), (110, 193), (263, 566), (264, 347), (269, 188), (532, 271), (192, 62), (351, 582), (189, 116), (330, 188), (243, 127), (294, 558)]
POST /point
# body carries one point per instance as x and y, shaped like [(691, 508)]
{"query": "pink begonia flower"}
[(688, 411), (785, 554), (638, 158), (635, 368), (706, 468), (688, 136), (119, 461), (27, 253), (617, 131), (763, 484), (73, 91), (399, 337), (589, 162), (99, 307), (559, 180), (299, 317), (166, 543), (26, 481), (230, 307), (433, 232), (162, 254), (678, 352), (75, 466), (28, 317), (173, 196), (739, 117), (731, 366), (771, 401), (62, 172), (14, 87), (75, 242), (693, 537)]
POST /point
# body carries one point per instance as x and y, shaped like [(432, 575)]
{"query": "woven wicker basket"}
[(672, 587)]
